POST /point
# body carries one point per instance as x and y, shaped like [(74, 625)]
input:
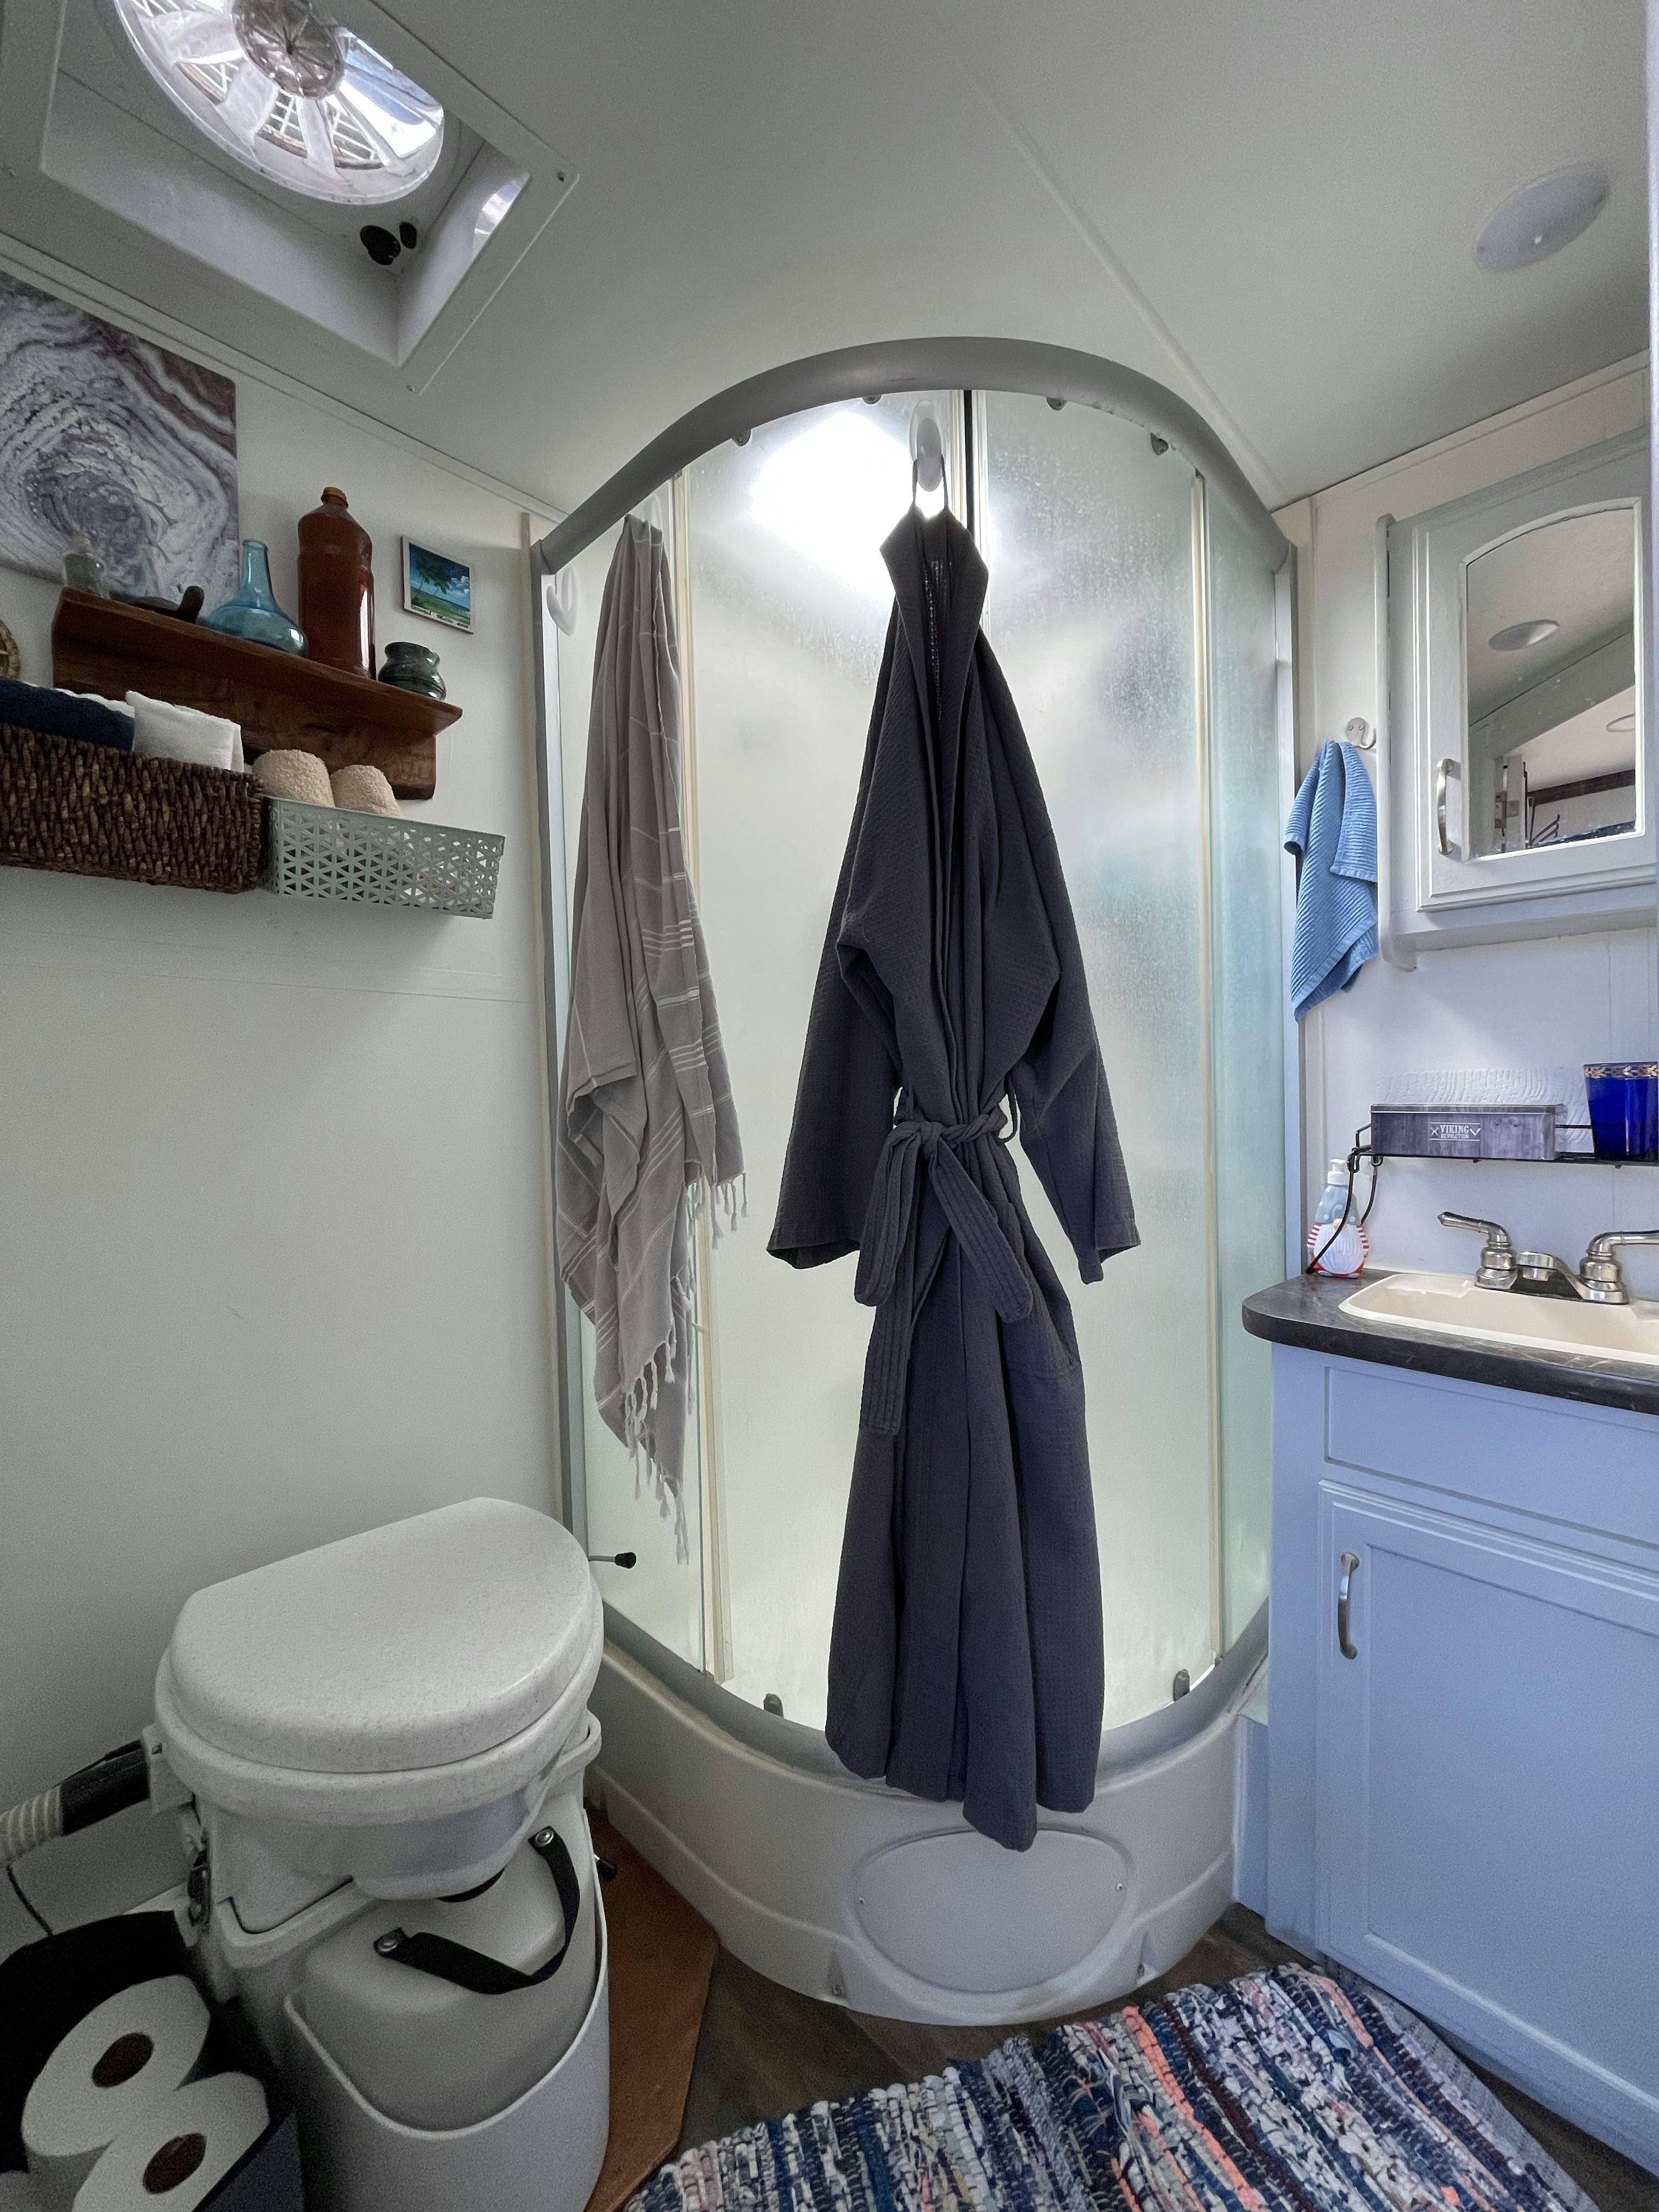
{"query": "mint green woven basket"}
[(372, 859)]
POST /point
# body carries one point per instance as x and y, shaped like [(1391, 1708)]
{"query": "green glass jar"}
[(413, 668)]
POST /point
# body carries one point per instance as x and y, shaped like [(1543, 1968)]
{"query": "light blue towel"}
[(1332, 832)]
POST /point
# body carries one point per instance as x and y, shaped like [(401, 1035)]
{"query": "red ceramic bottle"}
[(337, 587)]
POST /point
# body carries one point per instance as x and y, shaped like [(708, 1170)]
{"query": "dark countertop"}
[(1304, 1311)]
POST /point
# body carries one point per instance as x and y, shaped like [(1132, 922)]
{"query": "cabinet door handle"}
[(1345, 1643), (1446, 769)]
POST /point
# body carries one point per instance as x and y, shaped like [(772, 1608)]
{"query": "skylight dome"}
[(305, 102)]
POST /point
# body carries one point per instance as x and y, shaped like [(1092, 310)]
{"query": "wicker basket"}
[(377, 860), (83, 810)]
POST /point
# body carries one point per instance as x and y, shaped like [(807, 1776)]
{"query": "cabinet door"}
[(1519, 764), (1488, 1797)]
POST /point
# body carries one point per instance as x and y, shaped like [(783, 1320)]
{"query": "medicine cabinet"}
[(1519, 767)]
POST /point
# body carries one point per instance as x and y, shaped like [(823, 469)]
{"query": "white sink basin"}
[(1452, 1305)]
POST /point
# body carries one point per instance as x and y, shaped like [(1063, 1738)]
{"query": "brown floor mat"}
[(662, 1954)]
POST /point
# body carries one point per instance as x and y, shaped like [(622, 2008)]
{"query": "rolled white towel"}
[(169, 732), (364, 790), (289, 773)]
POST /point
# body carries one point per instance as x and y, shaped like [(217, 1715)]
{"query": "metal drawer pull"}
[(1345, 1643), (1447, 768)]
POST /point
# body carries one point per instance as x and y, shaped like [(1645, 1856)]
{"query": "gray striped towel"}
[(647, 1131)]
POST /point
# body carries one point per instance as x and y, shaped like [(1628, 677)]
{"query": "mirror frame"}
[(1436, 888)]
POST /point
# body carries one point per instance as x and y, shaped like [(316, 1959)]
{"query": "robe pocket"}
[(1036, 1346)]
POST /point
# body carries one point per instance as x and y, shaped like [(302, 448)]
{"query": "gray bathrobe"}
[(965, 1662)]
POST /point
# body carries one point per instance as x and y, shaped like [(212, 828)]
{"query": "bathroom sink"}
[(1452, 1305)]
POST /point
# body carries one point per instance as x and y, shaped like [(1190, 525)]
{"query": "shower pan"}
[(1140, 606)]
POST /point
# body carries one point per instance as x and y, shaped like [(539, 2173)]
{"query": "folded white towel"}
[(115, 706), (169, 732)]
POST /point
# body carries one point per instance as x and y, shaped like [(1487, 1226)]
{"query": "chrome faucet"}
[(1599, 1278), (1543, 1268)]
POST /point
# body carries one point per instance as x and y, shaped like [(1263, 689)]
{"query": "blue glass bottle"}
[(253, 612)]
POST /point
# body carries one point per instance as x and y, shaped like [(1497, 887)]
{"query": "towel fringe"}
[(639, 1400), (726, 1202)]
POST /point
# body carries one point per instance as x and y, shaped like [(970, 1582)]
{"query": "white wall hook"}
[(1359, 734), (926, 445), (563, 600), (652, 513)]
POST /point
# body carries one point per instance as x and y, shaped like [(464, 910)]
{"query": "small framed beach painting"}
[(437, 587)]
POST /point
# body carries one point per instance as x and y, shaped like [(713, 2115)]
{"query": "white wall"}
[(272, 1208), (1546, 1002)]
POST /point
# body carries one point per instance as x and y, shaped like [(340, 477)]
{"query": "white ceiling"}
[(1583, 745), (1271, 207)]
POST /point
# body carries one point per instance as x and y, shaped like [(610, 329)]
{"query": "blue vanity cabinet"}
[(1464, 1735)]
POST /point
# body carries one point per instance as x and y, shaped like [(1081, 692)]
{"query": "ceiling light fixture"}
[(1540, 218), (285, 92), (1519, 635)]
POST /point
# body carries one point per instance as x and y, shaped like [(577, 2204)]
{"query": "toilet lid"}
[(414, 1645)]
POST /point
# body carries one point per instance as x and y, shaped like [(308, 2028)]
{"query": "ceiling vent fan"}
[(293, 156)]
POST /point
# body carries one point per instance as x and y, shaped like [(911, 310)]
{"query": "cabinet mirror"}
[(1550, 683)]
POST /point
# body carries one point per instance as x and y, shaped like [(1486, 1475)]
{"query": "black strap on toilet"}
[(476, 1970)]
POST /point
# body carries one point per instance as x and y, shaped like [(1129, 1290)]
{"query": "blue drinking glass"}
[(252, 611), (1623, 1107)]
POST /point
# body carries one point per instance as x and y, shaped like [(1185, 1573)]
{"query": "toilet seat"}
[(392, 1706)]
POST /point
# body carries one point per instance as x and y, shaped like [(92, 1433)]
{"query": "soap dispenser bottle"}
[(1337, 1243), (337, 586)]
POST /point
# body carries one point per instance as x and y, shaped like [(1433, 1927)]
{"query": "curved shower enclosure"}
[(1140, 606)]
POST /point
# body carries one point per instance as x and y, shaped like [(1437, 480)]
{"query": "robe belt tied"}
[(887, 1251)]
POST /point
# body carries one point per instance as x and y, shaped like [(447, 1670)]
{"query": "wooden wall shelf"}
[(279, 698)]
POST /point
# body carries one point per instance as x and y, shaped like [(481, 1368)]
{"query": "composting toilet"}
[(385, 1740)]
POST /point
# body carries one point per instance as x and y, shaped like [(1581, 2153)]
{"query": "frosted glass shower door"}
[(1135, 620), (789, 603), (1089, 537)]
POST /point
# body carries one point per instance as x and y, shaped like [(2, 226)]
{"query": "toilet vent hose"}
[(119, 1778), (31, 1824)]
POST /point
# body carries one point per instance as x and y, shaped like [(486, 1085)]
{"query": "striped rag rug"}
[(1284, 2092)]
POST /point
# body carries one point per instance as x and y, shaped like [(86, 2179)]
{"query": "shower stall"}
[(1140, 606)]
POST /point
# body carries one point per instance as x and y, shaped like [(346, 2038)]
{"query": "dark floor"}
[(764, 2049)]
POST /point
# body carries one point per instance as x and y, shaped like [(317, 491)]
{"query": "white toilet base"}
[(543, 2153)]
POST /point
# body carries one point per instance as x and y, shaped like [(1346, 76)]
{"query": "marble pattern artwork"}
[(104, 433)]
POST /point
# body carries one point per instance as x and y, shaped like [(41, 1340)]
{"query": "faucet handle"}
[(1604, 1280), (1602, 1246), (1498, 1262), (1497, 1235)]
